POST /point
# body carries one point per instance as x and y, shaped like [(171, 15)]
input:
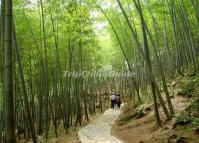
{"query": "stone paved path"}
[(99, 130)]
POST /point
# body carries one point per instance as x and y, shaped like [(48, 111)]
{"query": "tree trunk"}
[(2, 69), (9, 97)]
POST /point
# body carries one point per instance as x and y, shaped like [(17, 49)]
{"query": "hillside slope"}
[(138, 125)]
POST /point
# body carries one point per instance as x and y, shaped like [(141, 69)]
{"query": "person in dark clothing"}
[(118, 101)]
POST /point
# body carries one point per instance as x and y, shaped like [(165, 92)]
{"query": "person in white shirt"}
[(113, 99)]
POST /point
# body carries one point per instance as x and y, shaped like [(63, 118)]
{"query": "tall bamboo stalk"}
[(9, 96)]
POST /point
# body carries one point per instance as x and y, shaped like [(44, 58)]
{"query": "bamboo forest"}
[(99, 71)]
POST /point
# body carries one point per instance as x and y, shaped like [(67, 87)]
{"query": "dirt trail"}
[(99, 130)]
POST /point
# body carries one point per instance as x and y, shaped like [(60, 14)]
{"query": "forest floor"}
[(139, 125)]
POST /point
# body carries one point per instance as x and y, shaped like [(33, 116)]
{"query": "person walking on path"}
[(113, 100), (118, 101)]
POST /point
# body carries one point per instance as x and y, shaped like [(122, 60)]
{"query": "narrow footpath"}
[(99, 130)]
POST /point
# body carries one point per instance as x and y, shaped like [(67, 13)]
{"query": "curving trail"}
[(99, 130)]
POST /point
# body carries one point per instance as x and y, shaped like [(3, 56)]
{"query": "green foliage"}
[(195, 121), (189, 115), (183, 119), (131, 111), (135, 114), (125, 119), (195, 105), (186, 86)]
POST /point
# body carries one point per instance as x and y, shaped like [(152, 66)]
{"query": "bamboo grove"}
[(158, 40), (42, 39), (52, 41)]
